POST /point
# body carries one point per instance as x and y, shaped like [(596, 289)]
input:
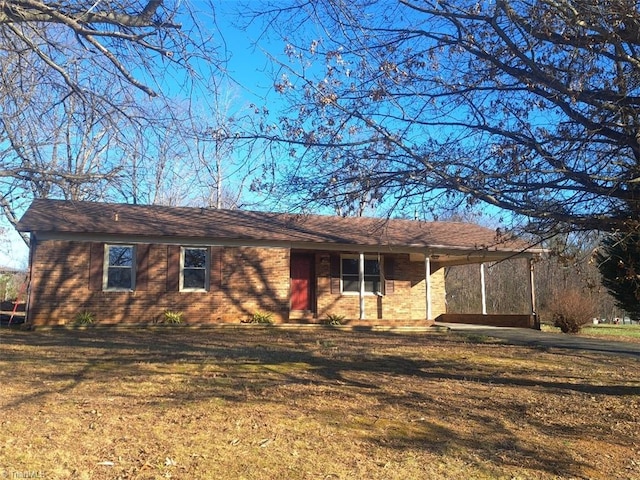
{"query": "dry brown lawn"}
[(264, 403)]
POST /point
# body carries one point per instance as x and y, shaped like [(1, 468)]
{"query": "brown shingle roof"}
[(71, 217)]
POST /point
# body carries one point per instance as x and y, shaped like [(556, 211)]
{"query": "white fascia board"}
[(459, 255)]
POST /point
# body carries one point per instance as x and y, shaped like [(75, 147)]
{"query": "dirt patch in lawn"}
[(310, 404)]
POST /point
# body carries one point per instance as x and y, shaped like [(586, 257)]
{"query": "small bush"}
[(571, 309), (334, 319), (85, 318), (261, 317), (173, 317)]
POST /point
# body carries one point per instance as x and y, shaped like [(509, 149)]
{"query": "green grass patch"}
[(631, 331)]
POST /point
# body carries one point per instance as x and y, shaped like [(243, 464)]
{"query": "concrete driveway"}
[(535, 338)]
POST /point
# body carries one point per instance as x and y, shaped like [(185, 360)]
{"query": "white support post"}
[(427, 274), (361, 282), (484, 290), (532, 288)]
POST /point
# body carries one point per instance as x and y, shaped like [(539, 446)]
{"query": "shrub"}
[(85, 318), (334, 319), (261, 317), (173, 317), (571, 309)]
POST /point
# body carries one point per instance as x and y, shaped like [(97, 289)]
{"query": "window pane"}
[(194, 278), (371, 267), (119, 277), (120, 256), (350, 283), (194, 268), (372, 284), (350, 275), (120, 267), (195, 258), (350, 266)]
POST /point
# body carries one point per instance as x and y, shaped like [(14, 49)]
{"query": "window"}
[(194, 269), (351, 276), (119, 267)]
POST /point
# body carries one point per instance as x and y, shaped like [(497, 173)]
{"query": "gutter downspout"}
[(33, 243)]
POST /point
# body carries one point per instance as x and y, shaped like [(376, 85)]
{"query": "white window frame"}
[(107, 266), (356, 257), (207, 269)]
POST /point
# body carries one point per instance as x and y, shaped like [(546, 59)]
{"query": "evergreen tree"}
[(618, 260)]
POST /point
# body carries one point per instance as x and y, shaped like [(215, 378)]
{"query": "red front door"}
[(301, 282)]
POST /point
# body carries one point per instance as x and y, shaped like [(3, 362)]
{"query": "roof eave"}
[(436, 252)]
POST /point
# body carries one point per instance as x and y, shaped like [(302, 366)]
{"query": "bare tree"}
[(530, 106), (72, 151), (113, 38), (84, 85), (222, 153)]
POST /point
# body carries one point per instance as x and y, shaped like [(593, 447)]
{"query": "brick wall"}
[(250, 280), (495, 320), (405, 302), (255, 279), (243, 281), (438, 291)]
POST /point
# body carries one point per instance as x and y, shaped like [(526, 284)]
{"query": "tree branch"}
[(18, 11)]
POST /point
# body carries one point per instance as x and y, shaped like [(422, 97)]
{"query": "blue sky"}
[(13, 252), (248, 66)]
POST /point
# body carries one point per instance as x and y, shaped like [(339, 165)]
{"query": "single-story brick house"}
[(131, 263)]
